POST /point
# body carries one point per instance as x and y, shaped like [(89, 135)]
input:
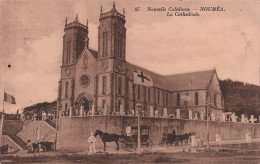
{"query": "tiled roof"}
[(178, 82), (190, 81), (94, 53)]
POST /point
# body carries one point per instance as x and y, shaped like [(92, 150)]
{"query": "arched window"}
[(119, 104), (138, 92), (68, 52), (103, 104), (67, 89), (104, 44), (178, 99), (196, 98), (158, 96), (119, 85), (119, 45), (104, 81), (166, 99), (215, 99), (149, 94), (66, 108)]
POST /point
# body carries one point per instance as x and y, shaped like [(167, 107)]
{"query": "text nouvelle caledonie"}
[(184, 11)]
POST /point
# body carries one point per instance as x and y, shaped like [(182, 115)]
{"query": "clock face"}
[(120, 67), (84, 80), (104, 65)]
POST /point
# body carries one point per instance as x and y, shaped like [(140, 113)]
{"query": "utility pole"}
[(59, 107), (208, 105), (138, 107)]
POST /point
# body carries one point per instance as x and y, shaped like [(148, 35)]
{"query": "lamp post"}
[(138, 107), (208, 105)]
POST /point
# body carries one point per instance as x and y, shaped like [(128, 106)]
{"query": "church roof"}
[(178, 82), (190, 81), (94, 53)]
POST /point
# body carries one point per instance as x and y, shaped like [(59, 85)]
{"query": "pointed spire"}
[(87, 23), (101, 10), (123, 11), (114, 4), (76, 19), (86, 41), (66, 21)]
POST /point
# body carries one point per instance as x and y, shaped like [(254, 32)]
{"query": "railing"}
[(51, 123), (111, 13), (75, 24), (16, 139)]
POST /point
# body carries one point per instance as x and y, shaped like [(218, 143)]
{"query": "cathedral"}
[(103, 82)]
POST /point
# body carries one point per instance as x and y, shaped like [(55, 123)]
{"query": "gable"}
[(214, 84), (90, 54)]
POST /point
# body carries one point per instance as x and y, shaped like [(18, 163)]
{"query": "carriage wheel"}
[(167, 143), (161, 143), (123, 146), (131, 146), (147, 144)]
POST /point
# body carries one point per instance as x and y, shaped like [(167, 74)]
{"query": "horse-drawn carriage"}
[(130, 143), (169, 139)]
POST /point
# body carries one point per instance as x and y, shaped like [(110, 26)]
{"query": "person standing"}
[(128, 130), (91, 141)]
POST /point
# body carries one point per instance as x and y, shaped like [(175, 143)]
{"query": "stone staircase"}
[(16, 139), (51, 123)]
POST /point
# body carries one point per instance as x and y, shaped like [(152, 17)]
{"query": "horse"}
[(106, 137), (185, 138)]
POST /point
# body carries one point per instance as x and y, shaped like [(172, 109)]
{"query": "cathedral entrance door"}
[(85, 103)]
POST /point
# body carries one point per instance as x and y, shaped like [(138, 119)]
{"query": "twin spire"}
[(101, 12)]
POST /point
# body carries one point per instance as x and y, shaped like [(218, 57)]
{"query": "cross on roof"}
[(142, 76)]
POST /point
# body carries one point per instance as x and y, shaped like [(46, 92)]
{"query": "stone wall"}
[(13, 126), (7, 140), (74, 131)]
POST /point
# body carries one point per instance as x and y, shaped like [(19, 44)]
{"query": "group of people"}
[(43, 116)]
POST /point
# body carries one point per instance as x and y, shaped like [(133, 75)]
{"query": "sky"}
[(31, 41)]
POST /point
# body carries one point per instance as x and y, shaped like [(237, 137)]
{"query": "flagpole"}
[(4, 102)]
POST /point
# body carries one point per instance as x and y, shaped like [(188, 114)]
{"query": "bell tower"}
[(75, 38), (111, 72), (112, 34), (74, 41)]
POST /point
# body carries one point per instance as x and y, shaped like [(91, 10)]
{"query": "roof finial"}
[(101, 10), (114, 4), (87, 22), (76, 19), (66, 21), (123, 11)]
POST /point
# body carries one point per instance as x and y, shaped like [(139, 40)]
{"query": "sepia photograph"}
[(130, 81)]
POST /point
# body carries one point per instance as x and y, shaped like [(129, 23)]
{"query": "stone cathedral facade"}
[(104, 81)]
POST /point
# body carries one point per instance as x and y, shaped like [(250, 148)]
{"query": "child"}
[(91, 141)]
